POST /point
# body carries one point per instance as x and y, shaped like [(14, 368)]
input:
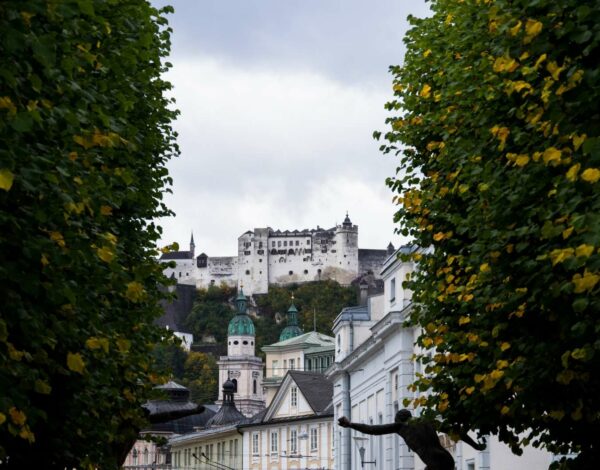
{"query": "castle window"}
[(306, 271), (279, 243), (179, 273), (254, 386), (246, 253), (273, 244), (260, 260), (260, 244), (282, 260), (308, 242), (291, 272), (245, 342), (235, 385), (247, 272), (212, 282), (297, 242), (236, 342)]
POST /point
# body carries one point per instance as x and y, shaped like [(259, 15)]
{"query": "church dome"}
[(241, 325), (292, 329)]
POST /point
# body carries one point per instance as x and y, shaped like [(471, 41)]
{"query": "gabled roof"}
[(316, 389)]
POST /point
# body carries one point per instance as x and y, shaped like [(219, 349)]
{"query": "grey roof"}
[(227, 414), (360, 313), (177, 255), (184, 425), (315, 387), (312, 338)]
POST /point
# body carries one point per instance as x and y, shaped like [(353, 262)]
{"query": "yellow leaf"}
[(2, 418), (469, 390), (105, 253), (58, 239), (425, 91), (505, 64), (554, 69), (42, 387), (504, 346), (427, 53), (75, 362), (44, 260), (538, 62), (591, 175), (559, 255), (532, 29), (557, 414), (572, 173), (578, 140), (515, 29), (464, 320), (567, 232), (484, 268), (522, 160), (438, 236), (135, 291), (496, 374), (502, 364), (505, 409), (551, 155), (6, 103), (17, 416), (585, 282), (584, 250), (6, 179)]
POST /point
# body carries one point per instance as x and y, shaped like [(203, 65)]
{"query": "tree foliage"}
[(497, 129), (321, 300), (211, 312), (201, 376), (85, 134)]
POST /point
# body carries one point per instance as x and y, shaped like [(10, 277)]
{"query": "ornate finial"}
[(292, 296)]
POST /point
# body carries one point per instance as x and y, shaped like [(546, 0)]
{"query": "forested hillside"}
[(318, 304)]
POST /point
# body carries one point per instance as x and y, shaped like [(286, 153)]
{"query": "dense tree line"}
[(85, 132), (497, 127)]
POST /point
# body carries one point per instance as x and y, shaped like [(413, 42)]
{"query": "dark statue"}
[(420, 436)]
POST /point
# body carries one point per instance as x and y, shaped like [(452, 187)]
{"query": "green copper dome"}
[(292, 329), (241, 324)]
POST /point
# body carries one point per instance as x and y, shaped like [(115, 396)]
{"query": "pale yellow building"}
[(295, 432)]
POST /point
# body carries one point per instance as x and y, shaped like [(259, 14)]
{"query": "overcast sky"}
[(279, 100)]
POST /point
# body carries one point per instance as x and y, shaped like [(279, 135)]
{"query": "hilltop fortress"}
[(267, 256)]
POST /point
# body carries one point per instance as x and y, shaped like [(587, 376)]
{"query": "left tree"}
[(85, 132)]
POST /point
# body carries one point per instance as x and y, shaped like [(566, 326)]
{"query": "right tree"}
[(497, 131)]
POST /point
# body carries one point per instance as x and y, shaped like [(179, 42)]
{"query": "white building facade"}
[(266, 257), (374, 365)]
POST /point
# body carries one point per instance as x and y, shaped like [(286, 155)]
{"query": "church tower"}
[(241, 366), (292, 329)]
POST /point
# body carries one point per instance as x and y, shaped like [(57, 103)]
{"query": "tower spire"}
[(192, 245)]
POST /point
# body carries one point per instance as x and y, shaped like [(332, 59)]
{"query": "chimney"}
[(363, 292)]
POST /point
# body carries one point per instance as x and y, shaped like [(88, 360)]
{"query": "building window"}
[(294, 396), (293, 442), (254, 386), (274, 442), (279, 243), (247, 272), (308, 242), (285, 364), (275, 368), (135, 455), (470, 465), (260, 244), (234, 385), (146, 456), (297, 242), (393, 290), (291, 272), (314, 438), (292, 364), (255, 443), (285, 243)]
